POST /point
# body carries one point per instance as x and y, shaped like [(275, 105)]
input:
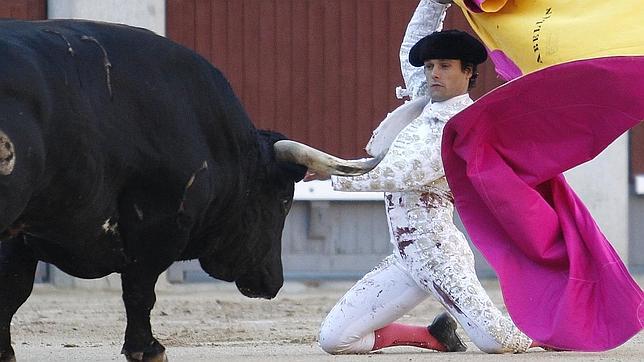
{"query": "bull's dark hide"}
[(121, 151)]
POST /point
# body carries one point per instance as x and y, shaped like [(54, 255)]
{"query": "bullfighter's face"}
[(446, 79)]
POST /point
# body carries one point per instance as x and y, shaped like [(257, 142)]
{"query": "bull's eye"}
[(286, 205)]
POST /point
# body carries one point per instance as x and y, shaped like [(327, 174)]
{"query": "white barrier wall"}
[(149, 14), (603, 186)]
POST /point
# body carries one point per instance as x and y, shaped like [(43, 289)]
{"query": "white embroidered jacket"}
[(413, 131)]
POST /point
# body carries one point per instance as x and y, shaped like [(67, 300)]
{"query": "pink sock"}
[(397, 334)]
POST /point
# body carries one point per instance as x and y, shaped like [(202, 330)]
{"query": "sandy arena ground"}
[(212, 321)]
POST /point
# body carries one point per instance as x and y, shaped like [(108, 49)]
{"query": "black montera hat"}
[(448, 44)]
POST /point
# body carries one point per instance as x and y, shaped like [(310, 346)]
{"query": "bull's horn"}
[(317, 160)]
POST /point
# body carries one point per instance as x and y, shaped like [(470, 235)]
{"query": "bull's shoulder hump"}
[(44, 33), (80, 25)]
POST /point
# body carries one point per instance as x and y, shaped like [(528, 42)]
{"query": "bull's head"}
[(284, 162), (292, 160)]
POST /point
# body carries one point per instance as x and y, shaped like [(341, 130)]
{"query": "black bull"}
[(121, 151)]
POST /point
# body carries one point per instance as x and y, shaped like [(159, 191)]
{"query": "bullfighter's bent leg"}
[(446, 269), (17, 271), (139, 298), (362, 319)]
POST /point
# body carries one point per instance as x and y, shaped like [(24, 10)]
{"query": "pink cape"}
[(563, 283)]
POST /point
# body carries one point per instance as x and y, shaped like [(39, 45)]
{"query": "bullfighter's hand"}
[(312, 175)]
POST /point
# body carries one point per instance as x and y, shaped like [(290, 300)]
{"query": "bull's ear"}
[(293, 171)]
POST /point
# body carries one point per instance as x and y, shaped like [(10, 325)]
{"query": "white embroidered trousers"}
[(432, 257)]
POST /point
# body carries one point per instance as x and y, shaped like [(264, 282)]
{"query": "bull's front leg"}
[(139, 298), (17, 271)]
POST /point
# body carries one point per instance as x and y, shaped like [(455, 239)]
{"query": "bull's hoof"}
[(155, 352), (144, 357)]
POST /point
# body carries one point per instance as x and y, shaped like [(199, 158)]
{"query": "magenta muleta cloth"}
[(563, 283)]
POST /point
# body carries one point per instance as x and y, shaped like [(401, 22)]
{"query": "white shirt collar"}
[(454, 100)]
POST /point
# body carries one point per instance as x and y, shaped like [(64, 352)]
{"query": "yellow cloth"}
[(538, 33)]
